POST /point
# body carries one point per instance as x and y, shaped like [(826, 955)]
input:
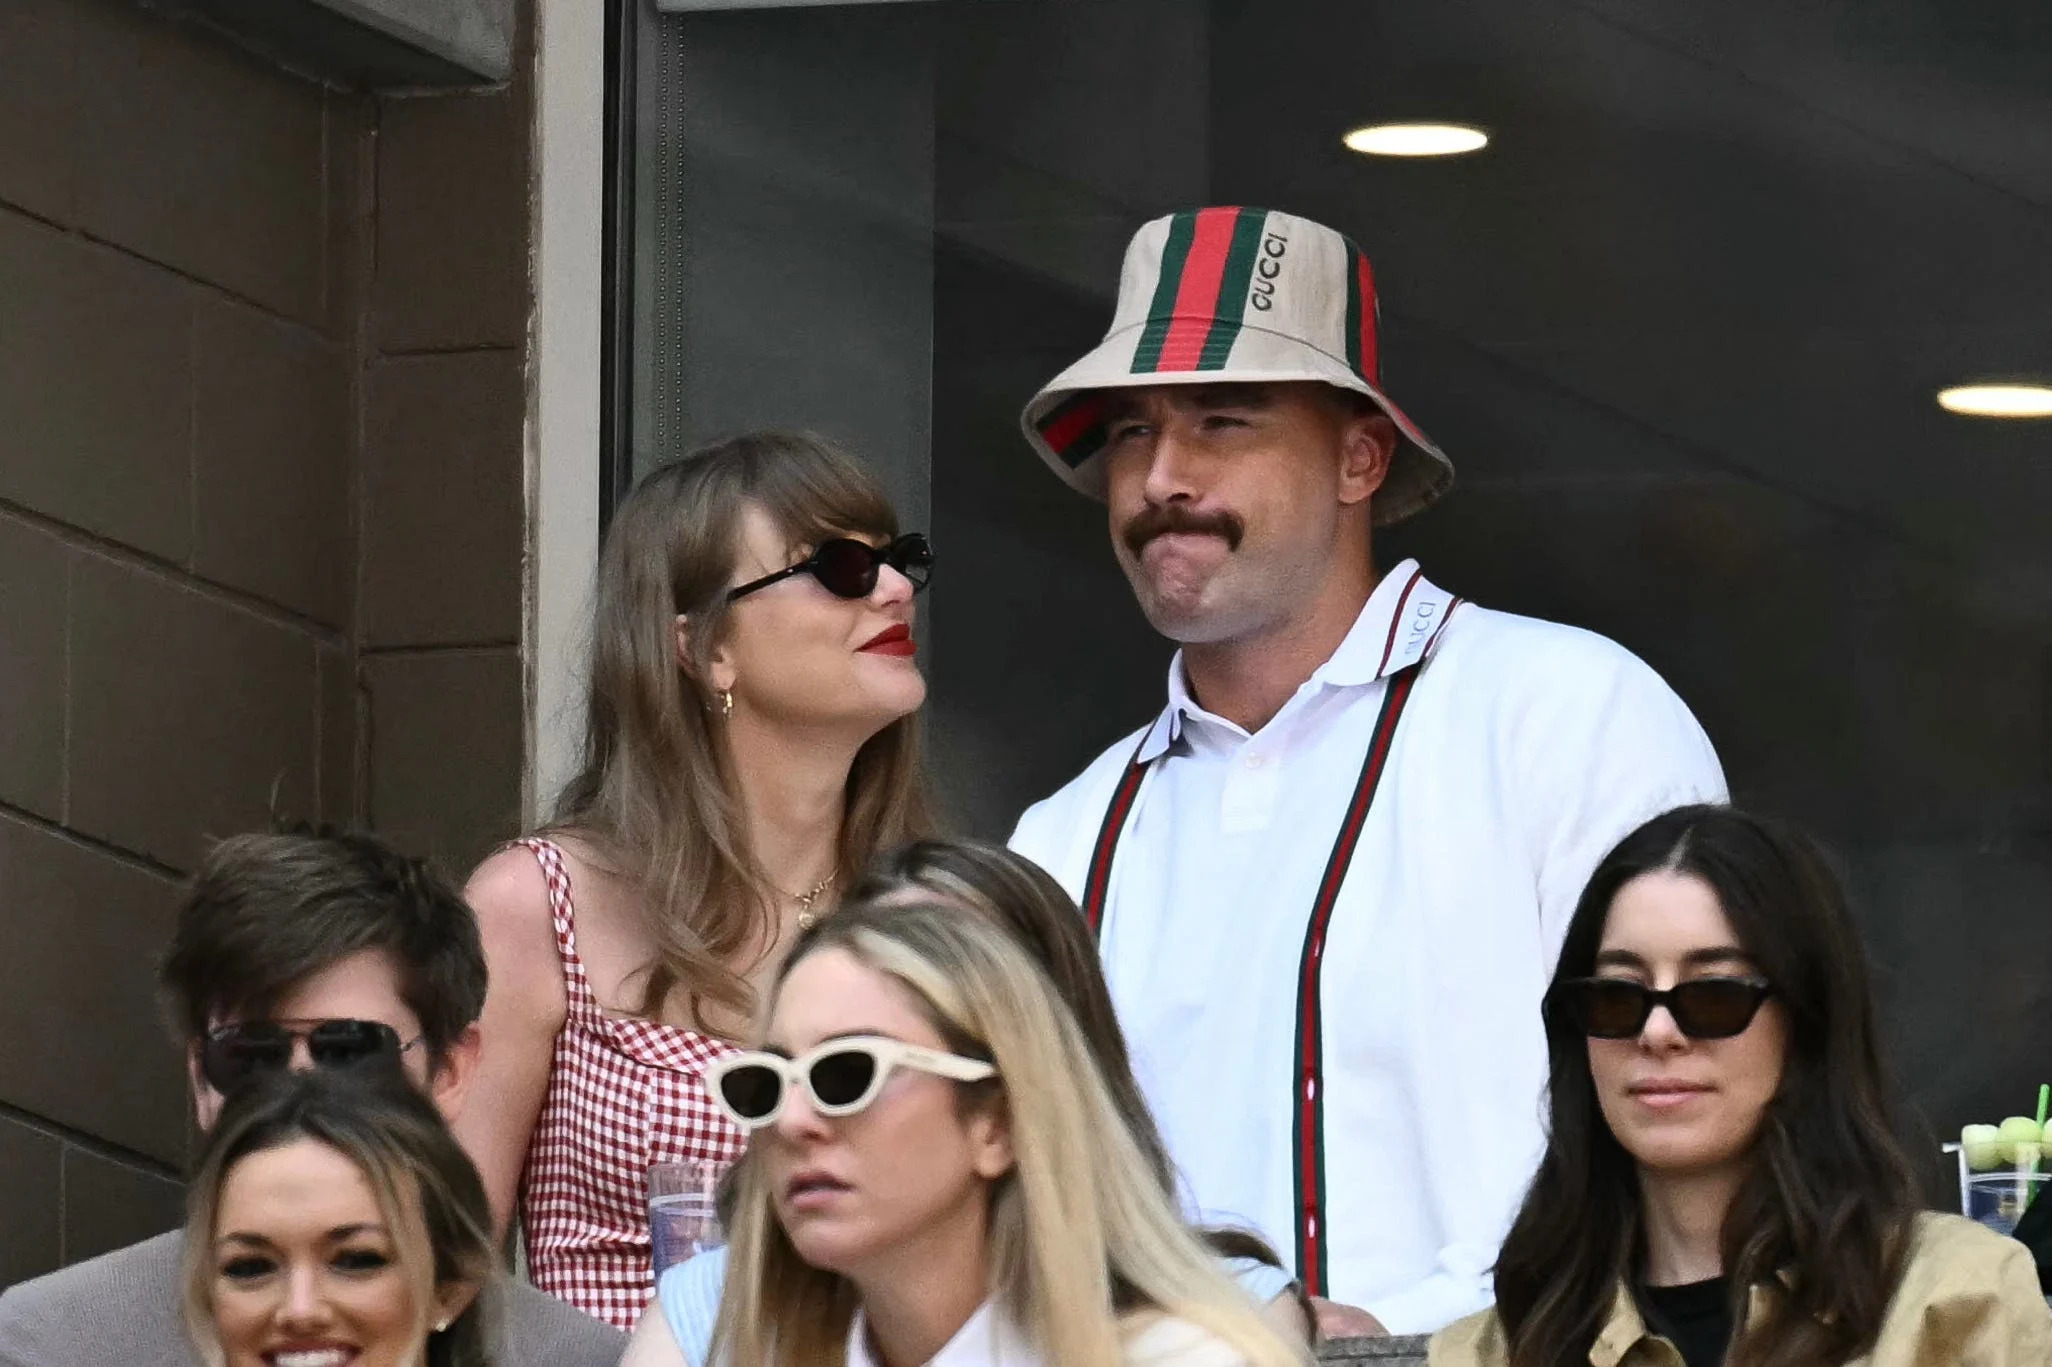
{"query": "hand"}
[(1336, 1321)]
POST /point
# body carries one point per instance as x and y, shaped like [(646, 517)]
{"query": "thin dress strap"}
[(556, 873)]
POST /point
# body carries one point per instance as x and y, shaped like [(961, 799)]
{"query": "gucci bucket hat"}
[(1234, 295)]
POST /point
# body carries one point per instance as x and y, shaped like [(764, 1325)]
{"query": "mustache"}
[(1176, 517)]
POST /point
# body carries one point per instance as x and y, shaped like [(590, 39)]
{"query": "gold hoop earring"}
[(726, 697)]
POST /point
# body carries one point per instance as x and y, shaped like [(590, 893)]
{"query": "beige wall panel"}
[(341, 735), (271, 443), (95, 388), (78, 949), (197, 155), (445, 752), (32, 646), (38, 105), (452, 222), (31, 1194), (443, 518), (110, 1205), (187, 714)]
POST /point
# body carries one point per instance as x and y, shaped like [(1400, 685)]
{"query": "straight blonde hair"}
[(429, 1196), (1084, 1242), (654, 798)]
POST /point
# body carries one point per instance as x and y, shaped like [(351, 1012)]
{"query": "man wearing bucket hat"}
[(1330, 879)]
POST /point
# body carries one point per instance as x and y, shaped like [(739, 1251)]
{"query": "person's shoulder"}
[(1953, 1250), (542, 1331), (1047, 822), (1477, 1339), (1966, 1282), (1490, 636), (1531, 673), (510, 879), (42, 1320)]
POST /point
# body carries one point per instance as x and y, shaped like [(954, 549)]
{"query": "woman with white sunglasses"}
[(937, 1173)]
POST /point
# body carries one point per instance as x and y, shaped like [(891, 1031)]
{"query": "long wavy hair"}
[(1823, 1216), (654, 798), (1027, 903), (429, 1196), (1082, 1236)]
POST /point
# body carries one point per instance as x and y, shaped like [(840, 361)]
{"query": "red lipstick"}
[(892, 640)]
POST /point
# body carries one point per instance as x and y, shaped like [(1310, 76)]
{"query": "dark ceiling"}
[(1763, 233)]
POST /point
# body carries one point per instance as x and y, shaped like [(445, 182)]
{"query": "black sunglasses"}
[(233, 1054), (848, 567), (1703, 1008)]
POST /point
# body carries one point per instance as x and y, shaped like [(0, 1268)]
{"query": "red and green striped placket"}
[(1207, 267)]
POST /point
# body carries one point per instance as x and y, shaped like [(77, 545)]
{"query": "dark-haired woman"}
[(1721, 1188), (749, 744)]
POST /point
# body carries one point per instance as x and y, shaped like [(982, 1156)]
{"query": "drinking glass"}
[(1999, 1198), (682, 1218)]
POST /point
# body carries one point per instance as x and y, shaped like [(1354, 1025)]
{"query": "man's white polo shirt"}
[(1526, 751)]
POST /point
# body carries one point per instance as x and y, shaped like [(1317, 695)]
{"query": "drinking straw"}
[(2026, 1189)]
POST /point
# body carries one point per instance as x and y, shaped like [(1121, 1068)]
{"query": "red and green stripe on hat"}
[(1217, 267)]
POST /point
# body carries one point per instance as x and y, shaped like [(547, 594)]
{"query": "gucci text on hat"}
[(1234, 295)]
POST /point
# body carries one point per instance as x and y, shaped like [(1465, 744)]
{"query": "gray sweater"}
[(124, 1308)]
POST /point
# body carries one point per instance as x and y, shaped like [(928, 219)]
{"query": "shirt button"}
[(1256, 761)]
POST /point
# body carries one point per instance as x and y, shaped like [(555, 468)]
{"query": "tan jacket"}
[(1969, 1298)]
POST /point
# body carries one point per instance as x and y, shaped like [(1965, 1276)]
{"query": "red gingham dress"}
[(622, 1094)]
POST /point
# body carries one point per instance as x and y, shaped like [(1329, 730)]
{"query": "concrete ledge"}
[(1401, 1351), (372, 44)]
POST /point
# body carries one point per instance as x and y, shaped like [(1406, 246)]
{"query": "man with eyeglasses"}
[(296, 951), (1331, 877)]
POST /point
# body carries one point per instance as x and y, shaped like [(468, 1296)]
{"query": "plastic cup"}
[(1999, 1199), (683, 1220)]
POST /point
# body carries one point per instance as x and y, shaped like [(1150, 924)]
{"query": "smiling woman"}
[(335, 1222)]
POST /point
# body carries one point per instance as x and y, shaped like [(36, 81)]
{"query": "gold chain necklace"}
[(805, 900)]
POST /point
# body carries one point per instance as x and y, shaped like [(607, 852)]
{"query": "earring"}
[(726, 697), (442, 1325)]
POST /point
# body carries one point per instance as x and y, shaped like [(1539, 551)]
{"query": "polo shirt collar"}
[(988, 1339), (1397, 626)]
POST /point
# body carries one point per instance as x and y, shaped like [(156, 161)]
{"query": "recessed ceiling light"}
[(1998, 400), (1416, 139)]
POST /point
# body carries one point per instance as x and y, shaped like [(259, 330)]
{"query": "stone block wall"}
[(261, 516)]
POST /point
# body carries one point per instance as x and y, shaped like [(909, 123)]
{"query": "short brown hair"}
[(266, 912)]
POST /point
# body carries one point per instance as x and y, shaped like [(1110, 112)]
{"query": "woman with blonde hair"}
[(749, 744), (334, 1218), (1014, 894), (939, 1173)]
